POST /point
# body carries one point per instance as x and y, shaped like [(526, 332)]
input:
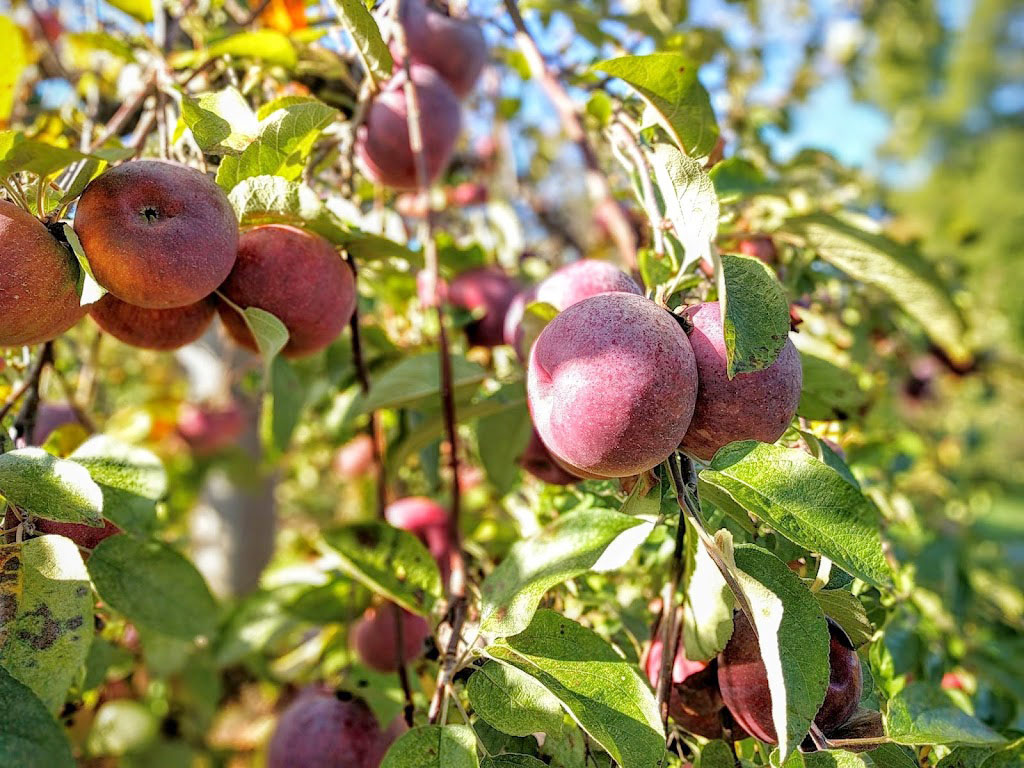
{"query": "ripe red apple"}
[(209, 429), (157, 234), (324, 729), (382, 144), (355, 458), (160, 329), (751, 406), (744, 682), (299, 278), (429, 521), (538, 461), (488, 289), (38, 276), (454, 47), (373, 637), (695, 702), (611, 385), (761, 247)]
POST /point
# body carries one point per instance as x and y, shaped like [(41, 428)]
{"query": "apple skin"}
[(695, 702), (751, 406), (611, 385), (324, 729), (373, 637), (355, 458), (209, 430), (455, 48), (743, 680), (538, 461), (382, 142), (158, 235), (761, 247), (38, 277), (488, 289), (299, 278), (158, 329)]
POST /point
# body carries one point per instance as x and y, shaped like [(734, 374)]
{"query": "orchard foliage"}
[(465, 389)]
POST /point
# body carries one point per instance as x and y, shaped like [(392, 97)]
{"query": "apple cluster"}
[(616, 383), (164, 242), (446, 56)]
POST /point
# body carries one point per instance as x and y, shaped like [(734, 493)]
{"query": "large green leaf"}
[(920, 714), (285, 138), (268, 199), (132, 480), (153, 586), (689, 199), (434, 746), (390, 562), (502, 437), (575, 543), (30, 737), (513, 701), (282, 405), (794, 641), (896, 270), (830, 390), (846, 609), (370, 46), (48, 487), (49, 639), (755, 313), (668, 83), (512, 761), (596, 685), (19, 154), (803, 499), (709, 603), (418, 378), (222, 122)]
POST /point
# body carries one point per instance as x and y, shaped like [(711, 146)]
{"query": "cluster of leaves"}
[(565, 576)]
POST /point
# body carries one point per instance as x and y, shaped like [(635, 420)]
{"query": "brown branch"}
[(403, 673), (25, 421), (597, 182), (123, 113)]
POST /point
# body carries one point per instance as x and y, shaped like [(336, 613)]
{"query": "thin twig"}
[(597, 182), (669, 637), (403, 673), (123, 113), (25, 422)]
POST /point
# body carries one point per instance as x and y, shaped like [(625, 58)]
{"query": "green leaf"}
[(284, 141), (755, 313), (923, 715), (885, 756), (222, 122), (370, 47), (418, 378), (597, 686), (434, 746), (794, 641), (132, 480), (16, 58), (512, 761), (502, 437), (272, 200), (390, 562), (270, 333), (282, 405), (139, 9), (89, 291), (896, 270), (707, 610), (153, 586), (735, 178), (18, 154), (575, 543), (848, 612), (716, 754), (513, 701), (690, 201), (668, 83), (50, 636), (30, 736), (803, 499), (48, 487), (536, 316), (263, 44), (831, 391)]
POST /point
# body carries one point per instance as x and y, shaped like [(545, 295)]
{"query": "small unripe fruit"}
[(374, 637), (157, 235), (454, 47), (383, 144), (296, 276), (538, 461), (355, 458), (324, 729), (611, 385), (159, 329), (751, 406), (744, 682), (38, 277), (488, 289)]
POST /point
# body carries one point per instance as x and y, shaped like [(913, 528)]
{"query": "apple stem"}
[(596, 180)]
